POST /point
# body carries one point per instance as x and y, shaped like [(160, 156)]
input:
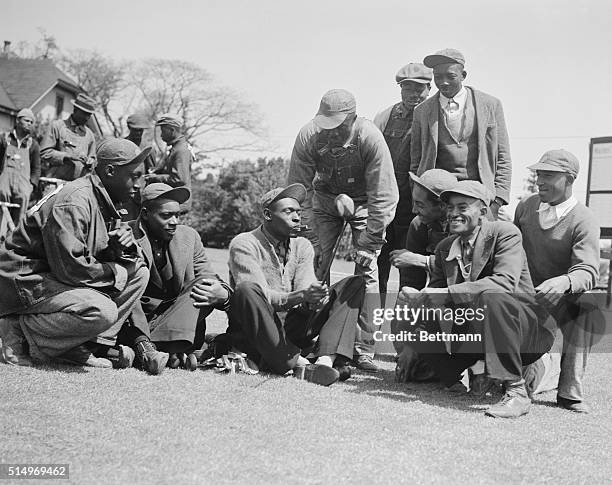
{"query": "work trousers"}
[(255, 328)]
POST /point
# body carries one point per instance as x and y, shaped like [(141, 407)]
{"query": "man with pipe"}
[(279, 308), (335, 153)]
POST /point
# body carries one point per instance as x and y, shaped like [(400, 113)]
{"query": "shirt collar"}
[(19, 141), (561, 209), (459, 98), (274, 241), (455, 250)]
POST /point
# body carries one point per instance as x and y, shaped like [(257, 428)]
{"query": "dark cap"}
[(119, 151), (335, 106), (138, 122), (170, 120), (558, 161), (435, 180), (84, 103), (159, 190), (444, 56), (471, 188), (293, 191), (414, 72)]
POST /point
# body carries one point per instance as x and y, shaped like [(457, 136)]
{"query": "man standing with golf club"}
[(339, 153)]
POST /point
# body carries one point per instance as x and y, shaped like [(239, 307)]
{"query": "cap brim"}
[(417, 180), (329, 122), (137, 159), (447, 193), (293, 191), (436, 59), (418, 81), (138, 127), (546, 167), (81, 107), (179, 194)]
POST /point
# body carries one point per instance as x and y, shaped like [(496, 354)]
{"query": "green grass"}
[(202, 427)]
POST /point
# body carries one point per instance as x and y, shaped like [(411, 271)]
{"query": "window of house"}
[(59, 105)]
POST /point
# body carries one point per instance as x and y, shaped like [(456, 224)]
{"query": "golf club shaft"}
[(326, 275)]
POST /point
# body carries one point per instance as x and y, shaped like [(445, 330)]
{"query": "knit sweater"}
[(252, 258), (571, 247)]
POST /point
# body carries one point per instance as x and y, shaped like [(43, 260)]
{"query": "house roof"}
[(23, 81)]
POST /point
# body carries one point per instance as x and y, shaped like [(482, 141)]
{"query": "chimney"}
[(7, 47)]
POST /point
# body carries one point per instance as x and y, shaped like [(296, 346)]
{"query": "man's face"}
[(168, 133), (283, 217), (414, 93), (428, 209), (552, 186), (449, 78), (464, 214), (337, 137), (123, 182), (24, 125), (161, 218), (136, 133), (80, 117)]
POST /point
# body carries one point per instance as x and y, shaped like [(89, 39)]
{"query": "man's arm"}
[(503, 171), (34, 163), (382, 118), (49, 151), (415, 141), (91, 149), (585, 258)]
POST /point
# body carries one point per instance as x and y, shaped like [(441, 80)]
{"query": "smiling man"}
[(340, 153), (462, 130), (561, 239), (279, 308), (481, 267)]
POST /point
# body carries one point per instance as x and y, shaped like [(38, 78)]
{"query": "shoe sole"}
[(321, 374), (158, 366), (21, 362), (99, 363)]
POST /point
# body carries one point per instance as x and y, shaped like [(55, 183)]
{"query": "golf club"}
[(345, 207)]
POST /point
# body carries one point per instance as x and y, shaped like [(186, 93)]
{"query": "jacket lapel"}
[(177, 255), (147, 251), (481, 121), (433, 118), (451, 268), (482, 250)]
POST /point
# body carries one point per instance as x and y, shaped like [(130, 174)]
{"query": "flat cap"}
[(558, 161), (160, 190), (444, 56), (471, 188), (170, 120), (414, 72), (293, 191), (435, 180), (84, 103), (119, 151), (335, 106), (138, 122), (25, 112)]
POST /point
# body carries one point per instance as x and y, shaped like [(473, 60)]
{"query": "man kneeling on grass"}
[(481, 282), (279, 308)]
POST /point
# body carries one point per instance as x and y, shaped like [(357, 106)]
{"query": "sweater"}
[(571, 247)]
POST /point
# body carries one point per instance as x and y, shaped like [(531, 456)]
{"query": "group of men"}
[(427, 179)]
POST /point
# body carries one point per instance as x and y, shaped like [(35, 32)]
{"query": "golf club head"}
[(345, 206)]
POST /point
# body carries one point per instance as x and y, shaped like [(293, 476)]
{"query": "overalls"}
[(15, 183)]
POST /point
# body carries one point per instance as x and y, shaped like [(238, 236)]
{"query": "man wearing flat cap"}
[(72, 273), (339, 153), (480, 275), (175, 168), (279, 308), (395, 123), (68, 149), (462, 130), (19, 164), (561, 239), (183, 288), (136, 124)]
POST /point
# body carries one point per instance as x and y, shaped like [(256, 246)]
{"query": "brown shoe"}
[(13, 342), (365, 363), (150, 359), (322, 375), (481, 385), (513, 404), (574, 406)]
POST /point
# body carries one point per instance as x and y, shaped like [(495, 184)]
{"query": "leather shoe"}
[(575, 406), (322, 375), (150, 359), (82, 356), (365, 363), (514, 403), (480, 385), (13, 343), (456, 388), (125, 358), (341, 364)]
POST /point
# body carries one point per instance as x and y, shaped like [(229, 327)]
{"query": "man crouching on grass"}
[(279, 308), (481, 267)]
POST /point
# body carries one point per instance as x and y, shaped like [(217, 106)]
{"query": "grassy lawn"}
[(202, 427)]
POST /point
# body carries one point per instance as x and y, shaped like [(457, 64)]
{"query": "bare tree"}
[(45, 48)]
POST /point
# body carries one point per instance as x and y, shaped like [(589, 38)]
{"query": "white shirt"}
[(551, 214), (460, 98)]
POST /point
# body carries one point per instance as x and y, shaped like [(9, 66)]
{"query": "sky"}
[(548, 61)]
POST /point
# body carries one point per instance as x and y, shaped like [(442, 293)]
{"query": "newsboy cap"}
[(335, 106), (119, 151), (558, 161), (160, 190), (444, 56), (414, 72), (170, 120), (25, 112), (84, 103), (435, 180), (471, 188), (293, 191), (137, 122)]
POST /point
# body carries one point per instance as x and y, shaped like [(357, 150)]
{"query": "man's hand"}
[(123, 236), (407, 294), (72, 157), (551, 290), (208, 292), (406, 362), (316, 293), (402, 258), (364, 258)]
